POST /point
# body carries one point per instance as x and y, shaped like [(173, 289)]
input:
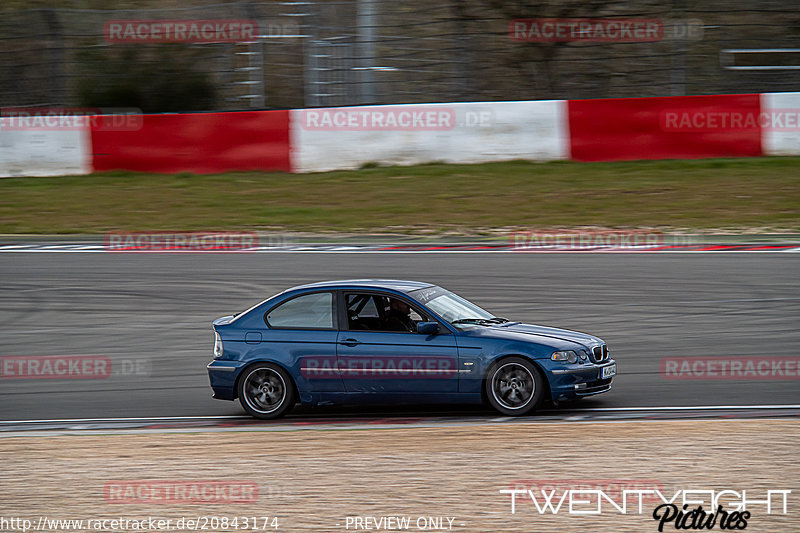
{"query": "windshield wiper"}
[(470, 321), (495, 320)]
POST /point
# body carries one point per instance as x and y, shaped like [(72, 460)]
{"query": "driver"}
[(399, 316)]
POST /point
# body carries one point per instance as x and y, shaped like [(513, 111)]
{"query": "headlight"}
[(569, 356), (217, 346)]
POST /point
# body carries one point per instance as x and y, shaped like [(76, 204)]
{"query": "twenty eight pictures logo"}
[(560, 497), (549, 495)]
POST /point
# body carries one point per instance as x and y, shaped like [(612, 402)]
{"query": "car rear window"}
[(313, 311)]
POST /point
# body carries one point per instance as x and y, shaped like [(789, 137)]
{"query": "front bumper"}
[(586, 380)]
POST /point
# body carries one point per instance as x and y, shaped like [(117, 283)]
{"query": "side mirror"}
[(428, 328)]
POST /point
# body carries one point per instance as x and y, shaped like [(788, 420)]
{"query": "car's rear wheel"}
[(514, 386), (266, 391)]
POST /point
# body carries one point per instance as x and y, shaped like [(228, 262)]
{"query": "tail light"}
[(217, 346)]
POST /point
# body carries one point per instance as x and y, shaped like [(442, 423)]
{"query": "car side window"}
[(377, 312), (362, 312), (312, 311)]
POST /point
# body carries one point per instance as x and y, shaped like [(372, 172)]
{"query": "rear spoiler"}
[(222, 321)]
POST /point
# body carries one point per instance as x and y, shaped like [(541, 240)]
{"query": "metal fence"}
[(350, 52)]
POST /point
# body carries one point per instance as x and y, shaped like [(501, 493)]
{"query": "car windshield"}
[(452, 307)]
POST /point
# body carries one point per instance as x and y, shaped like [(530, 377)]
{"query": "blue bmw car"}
[(394, 341)]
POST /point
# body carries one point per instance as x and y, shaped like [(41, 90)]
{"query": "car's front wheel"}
[(266, 391), (514, 386)]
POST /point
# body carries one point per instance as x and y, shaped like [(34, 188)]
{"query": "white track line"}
[(130, 419), (345, 249), (690, 408), (235, 417), (99, 251)]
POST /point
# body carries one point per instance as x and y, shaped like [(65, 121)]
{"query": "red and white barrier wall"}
[(687, 127), (782, 136), (43, 152), (309, 140), (346, 138), (202, 143)]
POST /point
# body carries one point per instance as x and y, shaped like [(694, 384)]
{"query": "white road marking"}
[(307, 251), (287, 428), (500, 419), (127, 419), (690, 408), (375, 249)]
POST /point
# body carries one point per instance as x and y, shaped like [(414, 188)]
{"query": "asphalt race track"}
[(150, 313)]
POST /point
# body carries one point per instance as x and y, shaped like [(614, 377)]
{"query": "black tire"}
[(266, 391), (514, 386)]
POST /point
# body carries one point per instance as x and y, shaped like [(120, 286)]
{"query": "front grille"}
[(600, 353)]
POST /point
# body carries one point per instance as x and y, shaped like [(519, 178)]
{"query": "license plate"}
[(609, 371)]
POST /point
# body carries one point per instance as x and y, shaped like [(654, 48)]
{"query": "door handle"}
[(350, 342)]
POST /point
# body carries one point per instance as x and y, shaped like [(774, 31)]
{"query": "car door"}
[(302, 332), (375, 356)]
